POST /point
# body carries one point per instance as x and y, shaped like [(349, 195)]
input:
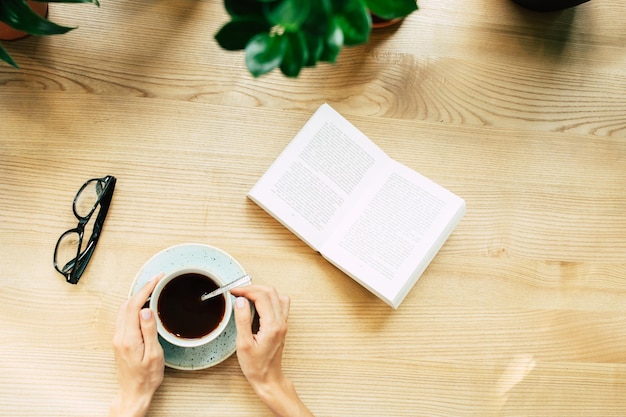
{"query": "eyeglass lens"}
[(87, 198), (67, 250), (75, 241)]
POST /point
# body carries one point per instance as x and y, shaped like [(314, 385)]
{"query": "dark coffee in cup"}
[(181, 310)]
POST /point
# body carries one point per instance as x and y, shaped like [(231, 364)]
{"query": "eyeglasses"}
[(94, 195)]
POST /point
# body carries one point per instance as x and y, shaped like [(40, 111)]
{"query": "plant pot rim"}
[(7, 33), (379, 22)]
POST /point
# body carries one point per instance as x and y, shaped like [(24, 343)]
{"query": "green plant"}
[(18, 15), (292, 34)]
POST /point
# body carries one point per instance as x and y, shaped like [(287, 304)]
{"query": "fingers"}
[(272, 308), (128, 317), (285, 304), (266, 300), (152, 347), (140, 298), (243, 321)]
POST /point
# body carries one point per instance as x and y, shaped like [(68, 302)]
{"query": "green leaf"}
[(264, 53), (243, 8), (4, 55), (355, 21), (319, 18), (391, 9), (289, 14), (315, 48), (18, 15), (296, 54), (332, 43), (236, 34)]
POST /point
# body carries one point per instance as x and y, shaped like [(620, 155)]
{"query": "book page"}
[(372, 217), (318, 176), (394, 232)]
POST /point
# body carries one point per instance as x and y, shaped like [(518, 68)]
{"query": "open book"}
[(377, 220)]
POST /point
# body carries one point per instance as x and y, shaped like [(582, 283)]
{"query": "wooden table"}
[(522, 313)]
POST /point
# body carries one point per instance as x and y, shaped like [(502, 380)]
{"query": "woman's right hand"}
[(260, 354)]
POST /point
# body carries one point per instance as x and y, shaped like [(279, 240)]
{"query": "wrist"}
[(124, 406), (281, 398)]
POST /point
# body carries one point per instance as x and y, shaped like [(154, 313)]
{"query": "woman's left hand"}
[(138, 354)]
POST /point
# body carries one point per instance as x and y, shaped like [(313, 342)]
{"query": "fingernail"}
[(146, 313), (240, 302)]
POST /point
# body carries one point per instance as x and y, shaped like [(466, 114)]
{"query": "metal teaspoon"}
[(242, 280)]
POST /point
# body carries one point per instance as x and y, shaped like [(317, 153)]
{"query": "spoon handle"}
[(242, 280)]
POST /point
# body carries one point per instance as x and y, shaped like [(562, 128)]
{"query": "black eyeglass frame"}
[(73, 270)]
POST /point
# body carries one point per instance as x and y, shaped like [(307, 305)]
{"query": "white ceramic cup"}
[(190, 342)]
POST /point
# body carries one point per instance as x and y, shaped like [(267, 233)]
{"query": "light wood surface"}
[(523, 311)]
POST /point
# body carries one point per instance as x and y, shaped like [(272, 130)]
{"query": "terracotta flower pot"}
[(7, 33), (548, 5), (379, 22)]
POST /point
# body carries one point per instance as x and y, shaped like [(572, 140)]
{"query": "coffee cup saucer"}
[(204, 257)]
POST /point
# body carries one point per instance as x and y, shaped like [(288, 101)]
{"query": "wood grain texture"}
[(522, 114)]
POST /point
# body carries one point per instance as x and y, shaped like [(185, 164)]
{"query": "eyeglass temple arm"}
[(85, 256)]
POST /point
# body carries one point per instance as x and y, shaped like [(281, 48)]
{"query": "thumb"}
[(149, 332), (243, 320)]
